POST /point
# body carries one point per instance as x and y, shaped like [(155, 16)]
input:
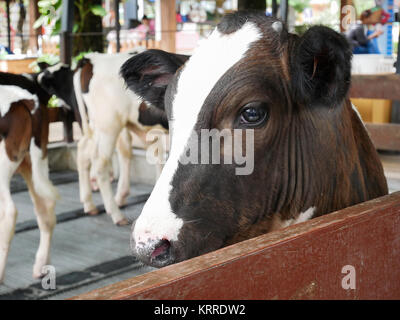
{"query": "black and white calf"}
[(24, 127), (107, 111), (312, 154)]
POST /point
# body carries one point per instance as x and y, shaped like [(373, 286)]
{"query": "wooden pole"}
[(274, 8), (33, 33), (117, 25), (252, 4), (67, 21), (168, 25), (8, 24), (284, 10)]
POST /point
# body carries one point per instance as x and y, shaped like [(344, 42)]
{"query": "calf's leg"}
[(16, 128), (8, 212), (124, 152), (84, 153), (105, 145), (46, 218)]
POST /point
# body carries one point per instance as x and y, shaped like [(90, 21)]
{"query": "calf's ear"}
[(320, 67), (43, 65), (149, 73)]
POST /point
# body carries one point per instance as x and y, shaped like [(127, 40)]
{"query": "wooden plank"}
[(304, 261), (375, 86), (385, 136)]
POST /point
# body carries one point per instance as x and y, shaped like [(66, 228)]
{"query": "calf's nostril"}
[(161, 251)]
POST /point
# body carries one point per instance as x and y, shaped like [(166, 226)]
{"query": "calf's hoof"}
[(37, 272), (123, 222), (93, 212)]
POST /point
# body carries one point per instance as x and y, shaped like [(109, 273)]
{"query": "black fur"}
[(149, 73), (29, 84), (234, 21), (321, 67), (150, 116), (60, 83)]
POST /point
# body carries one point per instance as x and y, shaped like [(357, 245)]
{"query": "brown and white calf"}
[(107, 111), (312, 154), (24, 126)]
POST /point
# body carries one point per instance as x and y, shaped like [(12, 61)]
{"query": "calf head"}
[(58, 80), (253, 76)]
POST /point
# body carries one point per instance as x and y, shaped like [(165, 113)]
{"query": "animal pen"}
[(304, 261)]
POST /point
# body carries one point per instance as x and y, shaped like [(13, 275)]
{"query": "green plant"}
[(298, 5), (50, 14), (84, 10), (50, 59), (77, 58)]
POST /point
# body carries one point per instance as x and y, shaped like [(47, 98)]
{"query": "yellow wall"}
[(374, 110)]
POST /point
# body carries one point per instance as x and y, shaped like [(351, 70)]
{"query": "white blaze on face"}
[(207, 65), (11, 94)]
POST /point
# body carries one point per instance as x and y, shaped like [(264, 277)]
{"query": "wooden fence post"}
[(168, 25)]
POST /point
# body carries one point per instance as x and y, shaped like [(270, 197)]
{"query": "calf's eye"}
[(253, 115)]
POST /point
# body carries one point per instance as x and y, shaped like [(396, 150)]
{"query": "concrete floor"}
[(78, 244)]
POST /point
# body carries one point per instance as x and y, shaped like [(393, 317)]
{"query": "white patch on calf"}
[(305, 216), (79, 100), (11, 94), (277, 26), (210, 61), (302, 217), (40, 174)]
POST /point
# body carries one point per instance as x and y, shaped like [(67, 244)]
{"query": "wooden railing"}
[(311, 260)]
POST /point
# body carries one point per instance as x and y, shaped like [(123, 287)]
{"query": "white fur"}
[(11, 94), (303, 217), (8, 212), (277, 26), (214, 56), (110, 109), (40, 174), (79, 99), (43, 207)]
